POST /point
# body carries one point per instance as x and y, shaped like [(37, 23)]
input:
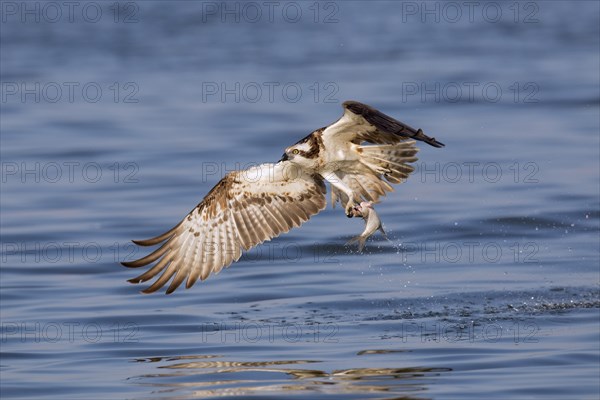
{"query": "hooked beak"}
[(284, 157)]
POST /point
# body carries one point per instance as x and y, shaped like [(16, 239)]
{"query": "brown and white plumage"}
[(249, 207)]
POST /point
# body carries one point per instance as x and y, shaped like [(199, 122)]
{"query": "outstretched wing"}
[(243, 210), (384, 146), (362, 123)]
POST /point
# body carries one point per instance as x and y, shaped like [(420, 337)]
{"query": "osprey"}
[(359, 155)]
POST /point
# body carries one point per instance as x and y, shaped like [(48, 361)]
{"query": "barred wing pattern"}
[(243, 210)]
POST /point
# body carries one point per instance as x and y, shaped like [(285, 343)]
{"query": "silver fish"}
[(372, 223)]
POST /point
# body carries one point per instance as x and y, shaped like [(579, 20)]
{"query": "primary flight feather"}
[(251, 206)]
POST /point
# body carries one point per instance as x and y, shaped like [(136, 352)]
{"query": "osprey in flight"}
[(359, 155)]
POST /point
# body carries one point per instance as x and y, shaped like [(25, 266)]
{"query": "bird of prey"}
[(359, 155)]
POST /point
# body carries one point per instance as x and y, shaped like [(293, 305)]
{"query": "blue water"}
[(114, 125)]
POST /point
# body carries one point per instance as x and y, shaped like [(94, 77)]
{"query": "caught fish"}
[(366, 211)]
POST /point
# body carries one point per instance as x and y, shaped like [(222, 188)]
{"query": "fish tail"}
[(361, 242), (383, 233)]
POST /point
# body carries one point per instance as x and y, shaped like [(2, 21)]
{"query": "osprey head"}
[(298, 153)]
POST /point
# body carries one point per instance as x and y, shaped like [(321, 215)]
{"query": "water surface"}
[(489, 284)]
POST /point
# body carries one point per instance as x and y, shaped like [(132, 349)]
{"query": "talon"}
[(350, 210), (353, 210)]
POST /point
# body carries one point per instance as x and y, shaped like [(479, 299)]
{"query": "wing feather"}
[(206, 256), (158, 239), (258, 223), (180, 274), (186, 263), (193, 276), (248, 221), (182, 267), (194, 273), (233, 248), (266, 224), (295, 213), (220, 256), (150, 258), (155, 270), (363, 123), (275, 219), (238, 213), (287, 219), (240, 226), (164, 278)]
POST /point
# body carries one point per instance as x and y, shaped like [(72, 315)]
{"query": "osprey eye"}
[(295, 151)]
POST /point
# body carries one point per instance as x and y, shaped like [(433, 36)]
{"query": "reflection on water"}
[(432, 340), (228, 378)]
